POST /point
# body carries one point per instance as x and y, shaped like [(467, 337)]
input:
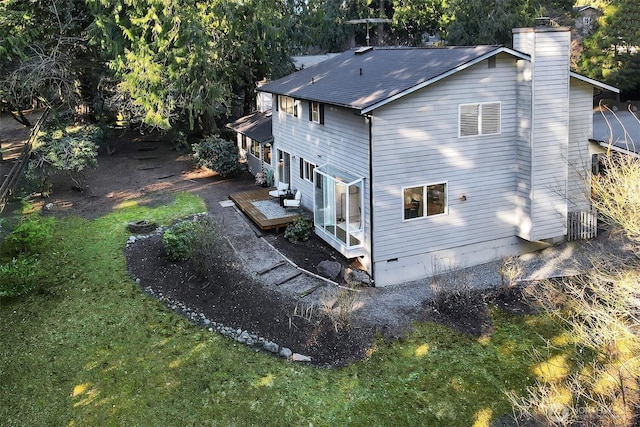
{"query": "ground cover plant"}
[(87, 347)]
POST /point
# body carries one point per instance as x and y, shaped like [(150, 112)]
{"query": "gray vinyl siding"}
[(580, 131), (523, 152), (550, 121), (416, 143), (342, 141)]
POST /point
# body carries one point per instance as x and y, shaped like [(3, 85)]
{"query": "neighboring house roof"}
[(367, 78), (256, 126), (583, 8), (619, 131), (593, 82), (305, 61)]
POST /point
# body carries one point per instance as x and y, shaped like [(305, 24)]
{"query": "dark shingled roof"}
[(256, 126), (360, 80)]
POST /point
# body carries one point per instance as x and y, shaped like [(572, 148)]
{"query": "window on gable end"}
[(490, 118), (469, 119), (479, 119)]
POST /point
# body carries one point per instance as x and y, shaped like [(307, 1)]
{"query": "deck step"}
[(287, 278), (271, 267)]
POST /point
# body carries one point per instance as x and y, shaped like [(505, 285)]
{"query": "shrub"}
[(178, 240), (191, 240), (29, 237), (179, 141), (217, 154), (299, 230), (510, 271), (203, 239), (71, 151), (17, 276), (340, 307)]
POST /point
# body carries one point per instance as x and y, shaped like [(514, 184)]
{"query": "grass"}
[(88, 348)]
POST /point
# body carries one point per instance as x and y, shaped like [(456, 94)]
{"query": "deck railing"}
[(10, 181)]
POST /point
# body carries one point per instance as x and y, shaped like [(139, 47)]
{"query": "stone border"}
[(241, 336)]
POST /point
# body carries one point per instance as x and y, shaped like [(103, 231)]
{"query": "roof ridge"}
[(496, 46)]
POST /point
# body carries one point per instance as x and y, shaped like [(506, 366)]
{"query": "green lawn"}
[(87, 348)]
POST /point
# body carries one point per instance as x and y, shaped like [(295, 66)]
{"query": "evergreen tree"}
[(255, 43), (413, 18), (161, 53), (186, 62), (611, 53), (487, 22)]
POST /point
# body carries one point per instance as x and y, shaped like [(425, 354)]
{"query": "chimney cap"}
[(543, 21)]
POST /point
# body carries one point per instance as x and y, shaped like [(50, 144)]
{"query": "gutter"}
[(611, 147), (371, 246)]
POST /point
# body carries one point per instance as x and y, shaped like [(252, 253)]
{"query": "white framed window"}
[(255, 148), (424, 200), (288, 105), (316, 112), (479, 119), (306, 170), (266, 153)]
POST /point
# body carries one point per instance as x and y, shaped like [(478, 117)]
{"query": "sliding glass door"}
[(284, 167)]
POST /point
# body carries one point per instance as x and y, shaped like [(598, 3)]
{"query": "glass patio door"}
[(338, 202), (284, 167)]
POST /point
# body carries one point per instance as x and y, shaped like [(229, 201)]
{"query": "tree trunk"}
[(207, 124), (381, 24)]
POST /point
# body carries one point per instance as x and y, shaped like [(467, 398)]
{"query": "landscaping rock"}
[(356, 278), (238, 335), (296, 357), (142, 226), (243, 337), (271, 347), (285, 352), (329, 269)]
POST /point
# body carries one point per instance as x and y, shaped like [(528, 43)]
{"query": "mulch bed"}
[(230, 297)]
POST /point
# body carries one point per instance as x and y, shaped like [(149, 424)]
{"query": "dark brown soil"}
[(146, 169), (229, 296)]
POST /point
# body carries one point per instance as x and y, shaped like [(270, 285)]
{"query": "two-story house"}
[(417, 160)]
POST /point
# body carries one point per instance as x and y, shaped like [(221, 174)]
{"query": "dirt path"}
[(13, 136)]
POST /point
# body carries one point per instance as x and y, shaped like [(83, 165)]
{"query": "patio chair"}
[(293, 203), (281, 189)]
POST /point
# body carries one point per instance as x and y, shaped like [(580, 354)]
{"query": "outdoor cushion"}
[(293, 203), (280, 190)]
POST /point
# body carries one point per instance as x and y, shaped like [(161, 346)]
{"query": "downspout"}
[(370, 120)]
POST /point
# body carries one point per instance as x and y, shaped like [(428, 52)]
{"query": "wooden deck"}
[(244, 200)]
